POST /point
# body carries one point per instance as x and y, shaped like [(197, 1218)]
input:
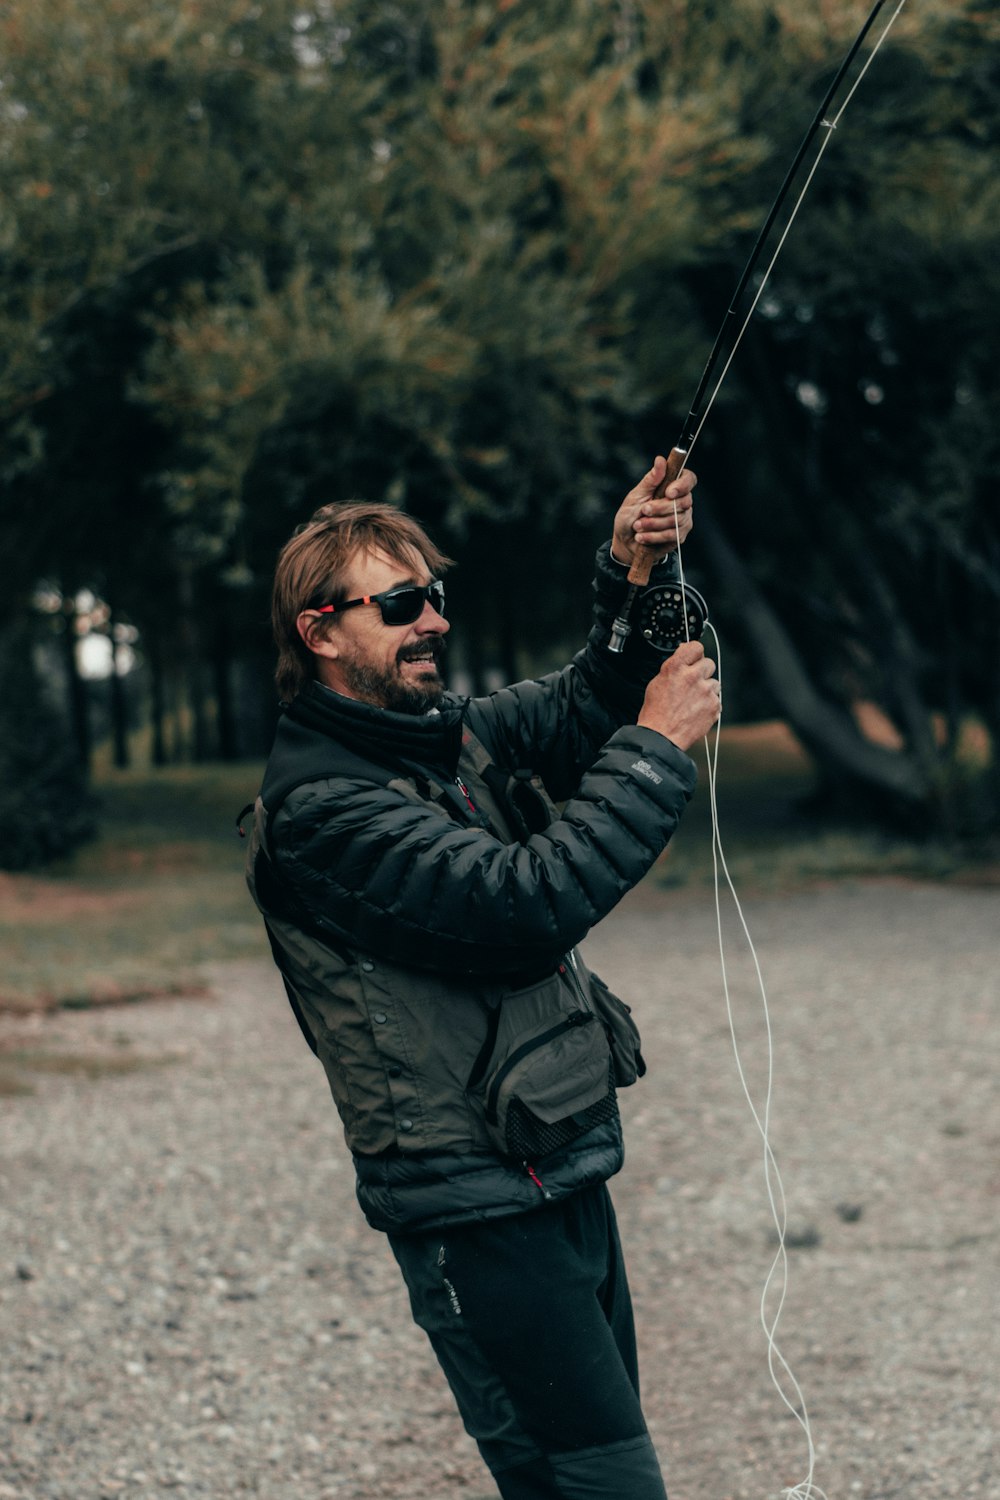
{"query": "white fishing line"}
[(776, 1283), (775, 1289)]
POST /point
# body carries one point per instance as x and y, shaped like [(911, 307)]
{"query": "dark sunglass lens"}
[(402, 606)]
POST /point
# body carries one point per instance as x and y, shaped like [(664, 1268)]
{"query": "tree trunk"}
[(191, 676), (157, 700), (900, 660), (202, 742), (79, 697), (228, 746), (119, 702), (825, 729)]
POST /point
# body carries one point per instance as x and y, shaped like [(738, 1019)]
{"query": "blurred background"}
[(470, 258)]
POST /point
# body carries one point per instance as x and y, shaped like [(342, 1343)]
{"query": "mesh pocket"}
[(529, 1138)]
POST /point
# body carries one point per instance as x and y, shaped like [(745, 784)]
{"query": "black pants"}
[(531, 1320)]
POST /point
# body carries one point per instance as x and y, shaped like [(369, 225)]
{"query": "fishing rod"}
[(675, 612)]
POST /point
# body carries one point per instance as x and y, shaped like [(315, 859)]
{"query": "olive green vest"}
[(398, 1045)]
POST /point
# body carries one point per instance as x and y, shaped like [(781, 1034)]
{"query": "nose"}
[(430, 622)]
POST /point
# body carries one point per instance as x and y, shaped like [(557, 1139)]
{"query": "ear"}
[(311, 626)]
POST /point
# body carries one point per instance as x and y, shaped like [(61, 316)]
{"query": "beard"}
[(385, 687)]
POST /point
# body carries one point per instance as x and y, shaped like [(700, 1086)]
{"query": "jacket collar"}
[(431, 742)]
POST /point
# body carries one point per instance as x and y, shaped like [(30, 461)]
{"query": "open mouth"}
[(427, 656)]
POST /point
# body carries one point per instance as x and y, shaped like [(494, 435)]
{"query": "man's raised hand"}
[(645, 523), (684, 699)]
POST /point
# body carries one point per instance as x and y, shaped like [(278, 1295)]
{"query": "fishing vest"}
[(429, 1062)]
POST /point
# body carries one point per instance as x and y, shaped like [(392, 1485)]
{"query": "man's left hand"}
[(657, 525)]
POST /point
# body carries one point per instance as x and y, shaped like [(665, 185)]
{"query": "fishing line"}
[(775, 1288), (777, 1279)]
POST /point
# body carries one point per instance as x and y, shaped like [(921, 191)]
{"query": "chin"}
[(388, 688), (416, 697)]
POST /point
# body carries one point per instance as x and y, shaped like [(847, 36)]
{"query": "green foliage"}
[(470, 257)]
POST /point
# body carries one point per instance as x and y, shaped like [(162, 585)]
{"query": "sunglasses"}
[(399, 606)]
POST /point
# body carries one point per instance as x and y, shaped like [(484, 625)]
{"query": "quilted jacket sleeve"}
[(389, 874), (556, 725)]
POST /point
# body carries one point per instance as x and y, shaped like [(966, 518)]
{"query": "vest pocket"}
[(544, 1076), (623, 1034)]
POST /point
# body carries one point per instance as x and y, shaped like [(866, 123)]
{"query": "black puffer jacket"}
[(400, 922)]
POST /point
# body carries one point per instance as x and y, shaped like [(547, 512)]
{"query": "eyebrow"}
[(409, 581)]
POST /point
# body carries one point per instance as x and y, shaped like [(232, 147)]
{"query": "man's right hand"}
[(684, 699)]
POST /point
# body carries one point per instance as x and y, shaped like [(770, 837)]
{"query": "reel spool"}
[(662, 616)]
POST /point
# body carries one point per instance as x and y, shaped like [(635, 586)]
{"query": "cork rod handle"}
[(647, 559)]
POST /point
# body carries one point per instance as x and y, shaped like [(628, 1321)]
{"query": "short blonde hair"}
[(312, 568)]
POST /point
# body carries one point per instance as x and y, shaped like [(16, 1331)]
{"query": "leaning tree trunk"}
[(827, 731)]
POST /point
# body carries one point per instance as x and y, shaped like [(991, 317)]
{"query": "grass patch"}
[(16, 1067), (161, 892), (137, 912), (771, 843), (12, 1085)]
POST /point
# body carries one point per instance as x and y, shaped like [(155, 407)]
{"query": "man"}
[(424, 897)]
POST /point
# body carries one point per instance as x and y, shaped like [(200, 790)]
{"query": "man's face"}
[(390, 666)]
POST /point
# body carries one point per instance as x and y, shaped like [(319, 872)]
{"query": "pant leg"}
[(619, 1471), (531, 1320), (614, 1295)]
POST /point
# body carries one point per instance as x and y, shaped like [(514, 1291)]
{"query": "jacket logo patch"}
[(645, 769)]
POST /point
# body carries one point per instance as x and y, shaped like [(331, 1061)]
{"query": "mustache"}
[(435, 647)]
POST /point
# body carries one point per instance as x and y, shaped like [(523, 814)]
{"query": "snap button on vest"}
[(381, 1017), (368, 966), (406, 1124)]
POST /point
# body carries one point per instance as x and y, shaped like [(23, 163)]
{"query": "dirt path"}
[(191, 1304)]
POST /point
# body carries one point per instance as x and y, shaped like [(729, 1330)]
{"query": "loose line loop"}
[(776, 1282), (775, 1290)]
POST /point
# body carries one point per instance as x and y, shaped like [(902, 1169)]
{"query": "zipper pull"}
[(536, 1180), (465, 793)]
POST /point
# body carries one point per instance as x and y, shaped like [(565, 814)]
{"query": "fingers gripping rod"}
[(646, 560)]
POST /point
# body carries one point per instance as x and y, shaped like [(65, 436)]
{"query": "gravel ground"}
[(192, 1305)]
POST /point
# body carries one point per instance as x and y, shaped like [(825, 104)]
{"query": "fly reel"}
[(670, 615)]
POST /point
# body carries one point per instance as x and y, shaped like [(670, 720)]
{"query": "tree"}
[(45, 808), (875, 577), (470, 258)]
